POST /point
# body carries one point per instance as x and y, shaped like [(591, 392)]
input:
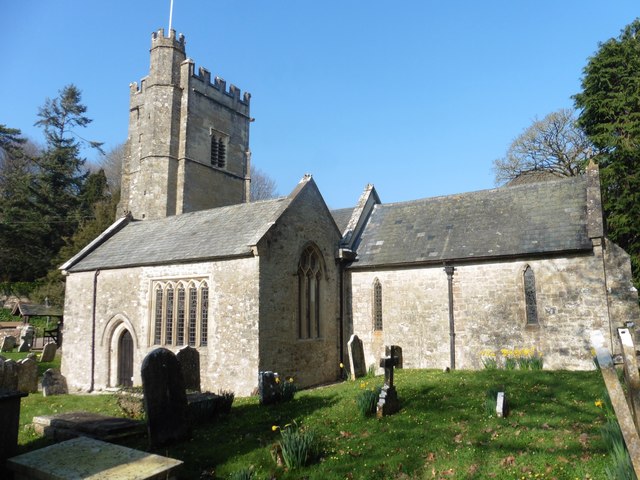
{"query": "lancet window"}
[(530, 300), (180, 313), (377, 305), (218, 150), (309, 284)]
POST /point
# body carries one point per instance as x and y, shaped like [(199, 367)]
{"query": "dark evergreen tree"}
[(61, 172), (610, 115), (24, 255)]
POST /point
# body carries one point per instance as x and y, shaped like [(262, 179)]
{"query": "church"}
[(282, 284)]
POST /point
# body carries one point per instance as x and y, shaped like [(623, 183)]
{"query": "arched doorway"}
[(125, 360)]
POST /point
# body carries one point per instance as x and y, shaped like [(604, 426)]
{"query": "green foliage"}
[(367, 401), (298, 446), (225, 401), (553, 430), (610, 115), (247, 473), (288, 390), (620, 467)]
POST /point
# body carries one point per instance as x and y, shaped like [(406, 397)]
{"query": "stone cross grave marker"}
[(357, 366), (49, 352), (189, 360), (165, 398), (27, 339), (54, 383), (27, 375), (268, 388), (8, 344), (388, 402)]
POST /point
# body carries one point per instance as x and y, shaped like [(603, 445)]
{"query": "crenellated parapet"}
[(159, 40), (201, 82)]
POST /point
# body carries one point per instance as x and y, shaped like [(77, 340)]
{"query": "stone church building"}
[(282, 284)]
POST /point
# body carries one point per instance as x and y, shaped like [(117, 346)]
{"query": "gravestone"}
[(356, 357), (8, 375), (189, 360), (388, 402), (165, 398), (8, 344), (49, 352), (501, 405), (54, 383), (27, 375), (268, 388), (28, 333)]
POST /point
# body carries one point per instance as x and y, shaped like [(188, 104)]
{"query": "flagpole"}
[(170, 16)]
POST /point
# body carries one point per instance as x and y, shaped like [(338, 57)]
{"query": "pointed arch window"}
[(377, 305), (309, 280), (530, 300), (180, 313)]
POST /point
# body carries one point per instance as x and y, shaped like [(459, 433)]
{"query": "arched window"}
[(180, 312), (204, 314), (531, 307), (377, 305), (309, 276)]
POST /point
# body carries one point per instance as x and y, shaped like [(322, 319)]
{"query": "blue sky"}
[(416, 97)]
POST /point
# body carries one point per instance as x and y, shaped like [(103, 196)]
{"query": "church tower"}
[(188, 144)]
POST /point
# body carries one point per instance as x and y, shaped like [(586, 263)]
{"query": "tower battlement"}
[(203, 76), (159, 40)]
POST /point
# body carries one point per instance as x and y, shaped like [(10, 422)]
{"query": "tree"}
[(111, 163), (554, 144), (263, 187), (61, 171), (610, 115), (23, 254)]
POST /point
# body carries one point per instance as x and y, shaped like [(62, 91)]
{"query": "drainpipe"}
[(452, 327), (93, 330)]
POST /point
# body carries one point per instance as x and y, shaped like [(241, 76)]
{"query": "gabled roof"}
[(342, 217), (527, 219), (35, 310), (229, 231)]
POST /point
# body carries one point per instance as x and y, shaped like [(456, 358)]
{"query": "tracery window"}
[(180, 313), (309, 280), (377, 305), (531, 306)]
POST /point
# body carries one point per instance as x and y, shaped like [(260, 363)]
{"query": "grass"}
[(443, 430)]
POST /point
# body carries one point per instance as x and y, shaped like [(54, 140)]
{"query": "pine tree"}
[(610, 104)]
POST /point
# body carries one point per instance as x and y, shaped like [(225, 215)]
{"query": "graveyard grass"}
[(442, 431)]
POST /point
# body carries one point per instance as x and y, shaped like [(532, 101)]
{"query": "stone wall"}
[(489, 311), (230, 361), (309, 361)]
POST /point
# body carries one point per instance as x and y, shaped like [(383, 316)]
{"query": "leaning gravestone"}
[(165, 399), (8, 344), (49, 352), (27, 375), (268, 388), (28, 333), (54, 383), (189, 360), (8, 375), (356, 357)]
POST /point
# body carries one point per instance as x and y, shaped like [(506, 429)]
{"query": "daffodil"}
[(598, 403), (274, 428), (341, 365)]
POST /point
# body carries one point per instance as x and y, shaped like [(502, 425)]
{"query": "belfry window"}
[(377, 305), (531, 306), (218, 150), (309, 279), (180, 313)]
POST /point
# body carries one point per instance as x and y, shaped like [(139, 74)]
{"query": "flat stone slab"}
[(88, 458), (75, 424)]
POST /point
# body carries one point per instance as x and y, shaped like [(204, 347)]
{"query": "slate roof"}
[(217, 233), (342, 217), (526, 219)]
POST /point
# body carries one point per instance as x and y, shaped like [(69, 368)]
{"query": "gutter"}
[(93, 330)]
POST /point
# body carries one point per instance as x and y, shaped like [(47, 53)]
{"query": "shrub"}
[(367, 401), (298, 446), (225, 401), (287, 390), (244, 474)]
